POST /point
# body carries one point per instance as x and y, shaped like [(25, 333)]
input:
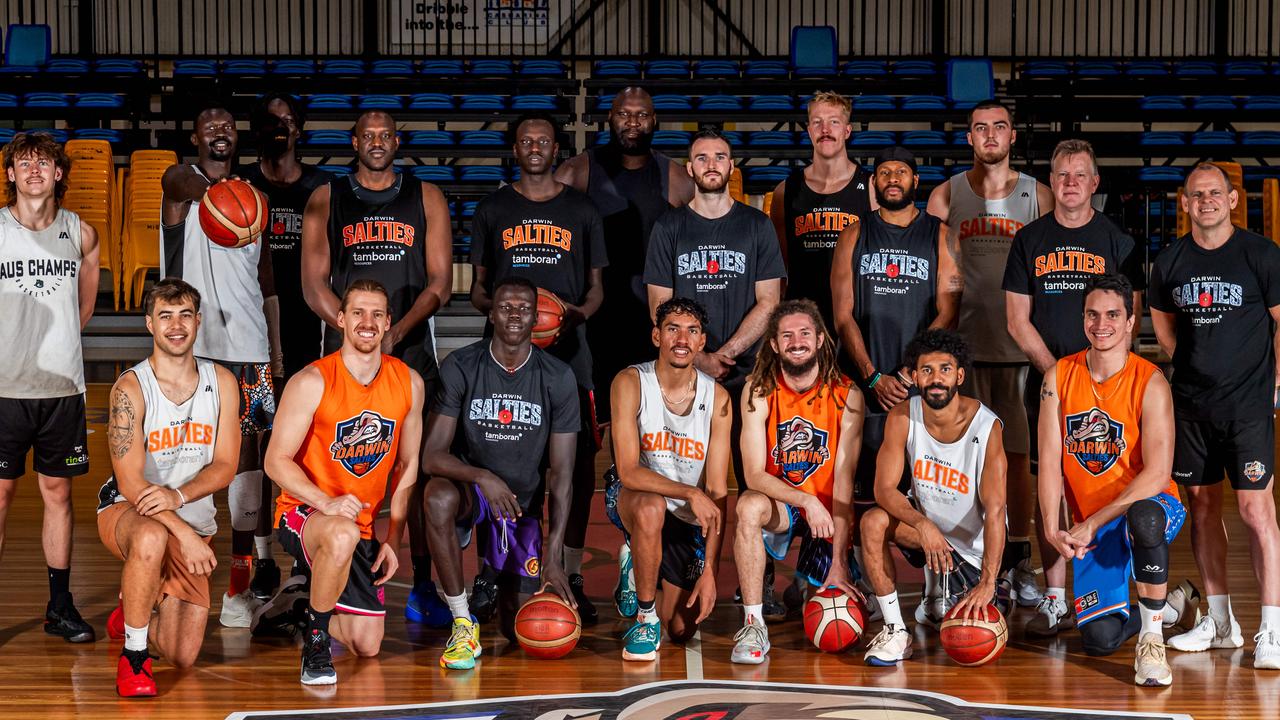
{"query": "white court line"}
[(693, 657)]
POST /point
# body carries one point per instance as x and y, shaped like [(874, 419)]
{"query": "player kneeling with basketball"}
[(1106, 427), (174, 434), (956, 513), (801, 432), (514, 403), (667, 490), (347, 432)]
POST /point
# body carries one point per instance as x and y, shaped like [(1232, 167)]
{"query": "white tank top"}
[(675, 446), (945, 478), (180, 439), (40, 304), (233, 328), (985, 228)]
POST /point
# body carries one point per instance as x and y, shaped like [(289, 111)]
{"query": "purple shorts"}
[(511, 547)]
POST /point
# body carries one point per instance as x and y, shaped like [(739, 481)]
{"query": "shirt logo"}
[(360, 443), (1254, 471), (1094, 440), (667, 440), (801, 449), (378, 231), (893, 264), (711, 262), (1084, 602)]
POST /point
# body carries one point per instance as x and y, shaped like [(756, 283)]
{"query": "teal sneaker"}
[(642, 641), (624, 594)]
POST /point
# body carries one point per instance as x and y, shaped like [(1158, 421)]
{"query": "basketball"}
[(232, 213), (974, 642), (833, 620), (550, 314), (546, 627)]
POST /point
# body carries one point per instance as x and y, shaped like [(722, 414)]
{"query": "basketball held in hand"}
[(233, 213), (976, 641), (546, 328), (546, 627)]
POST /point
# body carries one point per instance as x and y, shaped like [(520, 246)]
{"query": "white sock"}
[(1058, 593), (648, 615), (458, 606), (135, 638), (572, 560), (891, 609), (1271, 616), (262, 547), (1220, 610), (1152, 620), (754, 614)]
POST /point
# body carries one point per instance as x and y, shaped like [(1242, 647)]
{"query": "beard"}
[(793, 369), (273, 142), (634, 148), (937, 404), (710, 188), (906, 200), (991, 157)]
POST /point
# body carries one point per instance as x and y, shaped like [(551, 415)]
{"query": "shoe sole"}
[(749, 660), (330, 680), (1267, 665), (458, 666), (1233, 645), (84, 637), (235, 622), (1154, 682), (877, 662), (641, 657), (136, 695)]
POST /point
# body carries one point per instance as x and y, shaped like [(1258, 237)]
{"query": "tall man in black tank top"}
[(892, 277), (810, 208), (387, 227)]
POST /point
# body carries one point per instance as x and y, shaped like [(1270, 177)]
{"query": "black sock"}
[(421, 569), (317, 620), (648, 607), (59, 582)]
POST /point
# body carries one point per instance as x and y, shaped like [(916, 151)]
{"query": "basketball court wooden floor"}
[(42, 676)]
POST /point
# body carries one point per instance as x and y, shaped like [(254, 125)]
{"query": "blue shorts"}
[(1102, 577), (814, 561)]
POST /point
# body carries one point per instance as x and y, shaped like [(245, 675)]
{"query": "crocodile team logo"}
[(1094, 440), (801, 449), (361, 442)]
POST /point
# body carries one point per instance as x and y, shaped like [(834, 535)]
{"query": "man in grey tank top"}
[(48, 284), (985, 207)]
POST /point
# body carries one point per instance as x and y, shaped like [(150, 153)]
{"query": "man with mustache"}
[(952, 447), (1106, 437), (801, 432), (543, 230), (984, 208), (385, 226), (237, 288)]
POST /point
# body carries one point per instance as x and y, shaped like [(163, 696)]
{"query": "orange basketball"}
[(974, 642), (550, 314), (546, 627), (833, 620), (232, 213)]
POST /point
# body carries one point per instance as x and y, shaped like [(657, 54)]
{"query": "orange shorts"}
[(175, 581)]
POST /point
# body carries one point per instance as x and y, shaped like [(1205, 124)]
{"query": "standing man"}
[(237, 288), (277, 122), (1106, 427), (48, 285), (380, 225), (985, 207), (514, 404), (540, 229), (1051, 261), (668, 491), (800, 438), (1215, 302), (348, 434), (174, 433)]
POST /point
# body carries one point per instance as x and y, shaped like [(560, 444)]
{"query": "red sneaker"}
[(133, 675), (115, 624)]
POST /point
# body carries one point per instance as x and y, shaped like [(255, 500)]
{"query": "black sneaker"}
[(773, 610), (484, 598), (586, 610), (266, 579), (62, 619), (317, 660), (793, 599)]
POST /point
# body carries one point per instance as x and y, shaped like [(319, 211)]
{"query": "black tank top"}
[(894, 286), (382, 241), (813, 224)]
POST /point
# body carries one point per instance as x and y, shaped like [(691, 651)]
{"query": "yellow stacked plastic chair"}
[(92, 194), (141, 219)]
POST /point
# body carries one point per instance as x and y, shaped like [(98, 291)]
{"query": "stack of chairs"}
[(141, 220), (93, 194)]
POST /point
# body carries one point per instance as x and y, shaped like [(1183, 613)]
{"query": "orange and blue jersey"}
[(803, 434)]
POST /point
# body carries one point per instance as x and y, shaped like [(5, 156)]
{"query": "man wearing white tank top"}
[(667, 491), (955, 516), (174, 434), (984, 208)]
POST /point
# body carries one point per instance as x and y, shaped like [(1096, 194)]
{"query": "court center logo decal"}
[(801, 449), (715, 700), (360, 443), (1094, 440)]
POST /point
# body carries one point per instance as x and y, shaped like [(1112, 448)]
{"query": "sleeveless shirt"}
[(803, 434), (675, 446), (812, 226)]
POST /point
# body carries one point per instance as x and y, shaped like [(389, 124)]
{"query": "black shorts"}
[(53, 427), (684, 550), (360, 596), (1031, 400), (257, 395), (1244, 450), (864, 475)]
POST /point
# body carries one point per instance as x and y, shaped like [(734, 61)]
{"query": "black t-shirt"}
[(506, 419), (1223, 366), (300, 328), (716, 262), (1052, 264)]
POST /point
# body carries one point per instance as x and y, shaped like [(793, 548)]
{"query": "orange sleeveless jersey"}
[(355, 432), (804, 432), (1102, 444)]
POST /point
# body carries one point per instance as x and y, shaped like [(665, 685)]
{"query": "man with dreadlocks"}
[(801, 432)]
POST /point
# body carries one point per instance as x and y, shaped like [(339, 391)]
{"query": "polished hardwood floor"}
[(42, 676)]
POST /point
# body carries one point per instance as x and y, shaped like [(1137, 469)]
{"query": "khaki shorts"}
[(175, 581), (1001, 388)]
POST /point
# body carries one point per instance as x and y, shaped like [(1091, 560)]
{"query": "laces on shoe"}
[(138, 661)]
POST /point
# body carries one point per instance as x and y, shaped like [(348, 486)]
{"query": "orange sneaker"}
[(133, 674)]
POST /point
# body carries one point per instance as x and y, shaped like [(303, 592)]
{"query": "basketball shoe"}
[(266, 579), (624, 594), (285, 614), (643, 640), (238, 609), (1206, 634), (317, 659), (1182, 607), (1266, 653), (751, 644), (484, 596), (586, 610), (1150, 666), (62, 619), (115, 623), (1052, 617), (463, 647), (133, 674), (426, 608), (1025, 590), (890, 647)]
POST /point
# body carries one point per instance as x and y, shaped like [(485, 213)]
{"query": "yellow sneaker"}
[(463, 647)]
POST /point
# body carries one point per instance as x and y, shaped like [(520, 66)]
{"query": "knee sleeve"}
[(1146, 521), (244, 498), (1104, 635)]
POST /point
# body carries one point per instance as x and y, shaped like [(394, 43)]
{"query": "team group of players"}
[(996, 323)]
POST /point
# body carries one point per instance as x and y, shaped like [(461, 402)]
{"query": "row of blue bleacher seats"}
[(756, 69), (1210, 137), (784, 138), (537, 68), (62, 100), (1176, 174), (61, 135), (430, 101), (1210, 102), (1147, 68), (787, 103)]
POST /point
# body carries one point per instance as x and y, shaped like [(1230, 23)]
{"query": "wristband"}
[(181, 497), (874, 379)]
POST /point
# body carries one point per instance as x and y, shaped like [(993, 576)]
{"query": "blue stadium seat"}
[(671, 138), (1213, 137), (605, 102), (430, 137), (667, 69), (99, 100), (55, 133), (865, 68), (27, 46), (482, 173), (111, 136), (873, 138), (381, 102), (1260, 137), (489, 138), (715, 69), (533, 102), (873, 102), (117, 66), (195, 68), (959, 137), (1262, 102), (931, 174), (1214, 102), (731, 103), (244, 67), (6, 134), (1097, 69), (1163, 102), (441, 68), (543, 69), (483, 102), (919, 138), (969, 82), (515, 173), (616, 69), (1162, 137), (469, 208), (771, 138), (931, 103), (771, 102), (45, 100), (1046, 68), (768, 173), (293, 66), (67, 66), (327, 137), (492, 68), (1162, 173), (329, 101), (435, 173), (350, 66), (601, 138), (813, 50), (914, 68), (1146, 68), (734, 137), (1261, 172), (672, 102), (957, 169), (1195, 68), (8, 100), (764, 69), (384, 67), (431, 101), (1244, 68)]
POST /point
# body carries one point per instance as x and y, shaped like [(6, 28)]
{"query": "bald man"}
[(385, 226)]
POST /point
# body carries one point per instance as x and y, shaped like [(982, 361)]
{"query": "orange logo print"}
[(187, 433), (537, 234), (989, 226), (531, 567), (824, 221), (377, 231), (928, 471), (1070, 260), (671, 442)]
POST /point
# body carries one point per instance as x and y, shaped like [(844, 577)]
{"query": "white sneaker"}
[(1052, 617), (238, 610), (1150, 666), (1182, 607), (930, 612), (751, 644), (1266, 654), (1026, 592), (890, 647), (1206, 635)]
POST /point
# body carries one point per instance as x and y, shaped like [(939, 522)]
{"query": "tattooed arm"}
[(950, 281)]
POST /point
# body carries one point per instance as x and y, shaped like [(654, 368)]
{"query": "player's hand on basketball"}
[(937, 550), (820, 523), (713, 364), (703, 596), (347, 506), (555, 580), (500, 498), (387, 561), (156, 499), (197, 556), (889, 391), (973, 604), (706, 512), (838, 578)]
